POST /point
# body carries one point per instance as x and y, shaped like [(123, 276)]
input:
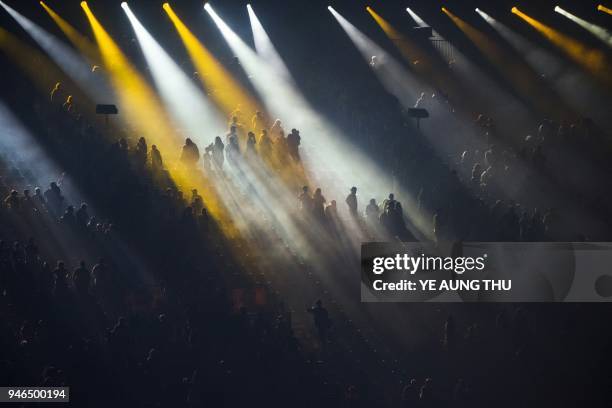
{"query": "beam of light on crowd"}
[(599, 32), (184, 100), (22, 149), (575, 86), (327, 154), (64, 57), (82, 43), (264, 46), (519, 74), (146, 117), (222, 88), (592, 60), (604, 9)]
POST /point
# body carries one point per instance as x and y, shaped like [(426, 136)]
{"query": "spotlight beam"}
[(395, 79), (592, 60), (604, 9), (139, 101), (599, 32), (223, 89), (82, 43), (264, 46), (575, 88), (186, 103)]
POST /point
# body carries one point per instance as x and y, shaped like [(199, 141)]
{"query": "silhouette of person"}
[(80, 279), (157, 163), (372, 212), (82, 216), (318, 205), (141, 152), (321, 320), (258, 122), (293, 143), (265, 144), (305, 199), (251, 151), (217, 153), (190, 154), (351, 201), (233, 151), (13, 201), (54, 198), (197, 202)]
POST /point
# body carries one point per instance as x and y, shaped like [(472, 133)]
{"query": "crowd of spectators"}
[(175, 321)]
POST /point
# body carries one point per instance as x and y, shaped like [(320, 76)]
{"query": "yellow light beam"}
[(599, 32), (524, 80), (604, 9), (410, 51), (82, 43), (143, 109), (31, 61), (592, 60), (146, 116), (221, 86)]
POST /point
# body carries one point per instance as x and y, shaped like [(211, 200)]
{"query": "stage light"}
[(419, 20), (514, 10), (604, 9), (222, 88), (183, 99), (123, 4), (591, 59), (264, 46), (484, 15), (599, 32), (83, 4)]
